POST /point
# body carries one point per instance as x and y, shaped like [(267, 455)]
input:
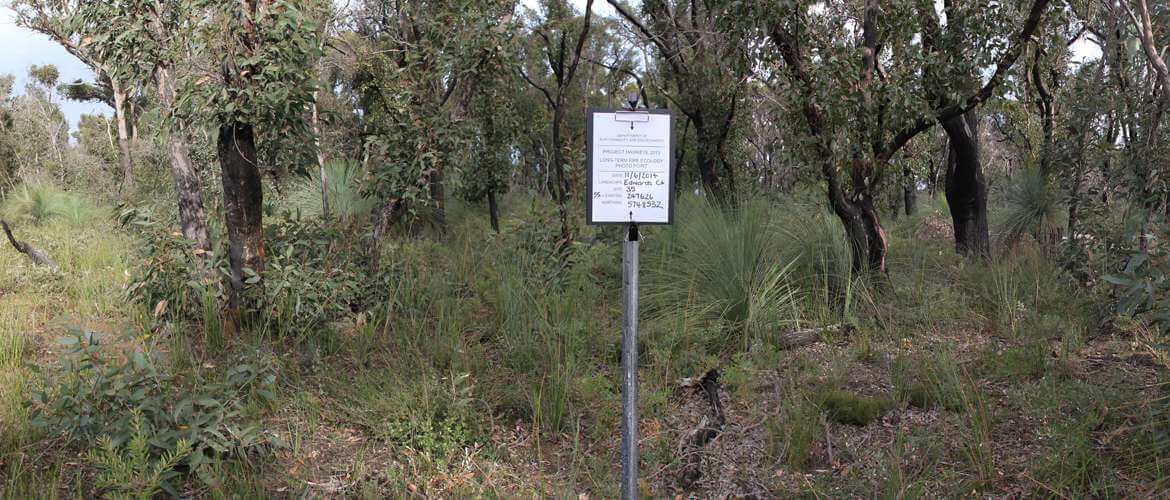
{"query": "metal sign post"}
[(631, 182), (630, 363)]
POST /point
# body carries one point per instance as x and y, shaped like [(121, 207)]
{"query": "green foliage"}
[(928, 383), (41, 202), (1035, 207), (846, 407), (131, 471), (315, 274), (265, 52), (94, 394), (346, 200), (410, 79), (792, 434), (171, 280), (724, 266)]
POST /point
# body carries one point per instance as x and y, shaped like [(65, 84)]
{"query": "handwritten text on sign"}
[(630, 170)]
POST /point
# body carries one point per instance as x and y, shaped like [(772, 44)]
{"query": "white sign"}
[(630, 167)]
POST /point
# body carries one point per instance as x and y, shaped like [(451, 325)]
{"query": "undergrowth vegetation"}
[(452, 366)]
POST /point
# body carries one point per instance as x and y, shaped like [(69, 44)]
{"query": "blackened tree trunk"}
[(717, 176), (966, 189), (909, 191), (895, 206), (188, 186), (243, 201), (494, 211)]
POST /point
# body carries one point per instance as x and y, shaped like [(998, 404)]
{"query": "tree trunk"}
[(707, 159), (966, 189), (121, 112), (493, 211), (895, 206), (863, 230), (188, 186), (679, 156), (316, 123), (909, 191), (561, 189), (243, 204), (435, 181)]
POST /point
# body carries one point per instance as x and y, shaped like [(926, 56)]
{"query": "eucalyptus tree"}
[(257, 81), (1153, 144), (562, 40), (8, 159), (704, 50), (865, 88), (1138, 101), (420, 62), (89, 30), (489, 163)]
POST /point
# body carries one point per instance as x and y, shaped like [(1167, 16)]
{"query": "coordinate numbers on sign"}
[(630, 167)]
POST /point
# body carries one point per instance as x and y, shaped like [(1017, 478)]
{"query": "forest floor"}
[(953, 379)]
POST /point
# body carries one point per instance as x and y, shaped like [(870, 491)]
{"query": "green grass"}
[(36, 304)]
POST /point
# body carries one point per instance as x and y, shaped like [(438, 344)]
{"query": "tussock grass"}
[(41, 202), (346, 201)]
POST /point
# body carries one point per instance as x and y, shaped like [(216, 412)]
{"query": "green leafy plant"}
[(97, 393), (132, 471)]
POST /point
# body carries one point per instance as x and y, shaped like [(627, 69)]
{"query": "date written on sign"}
[(630, 167)]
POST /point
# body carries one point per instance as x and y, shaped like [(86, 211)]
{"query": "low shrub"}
[(847, 408), (97, 393)]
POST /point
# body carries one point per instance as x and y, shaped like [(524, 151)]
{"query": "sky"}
[(21, 48)]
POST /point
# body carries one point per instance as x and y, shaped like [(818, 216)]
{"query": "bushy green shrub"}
[(94, 394), (315, 273)]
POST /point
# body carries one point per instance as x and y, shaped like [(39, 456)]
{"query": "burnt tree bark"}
[(966, 188), (493, 210), (909, 191), (243, 201), (36, 256)]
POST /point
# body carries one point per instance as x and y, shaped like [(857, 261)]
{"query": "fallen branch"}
[(801, 338), (36, 256), (710, 426)]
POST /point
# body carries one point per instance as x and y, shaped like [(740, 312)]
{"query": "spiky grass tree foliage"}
[(346, 201), (41, 202), (724, 270), (1035, 207)]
